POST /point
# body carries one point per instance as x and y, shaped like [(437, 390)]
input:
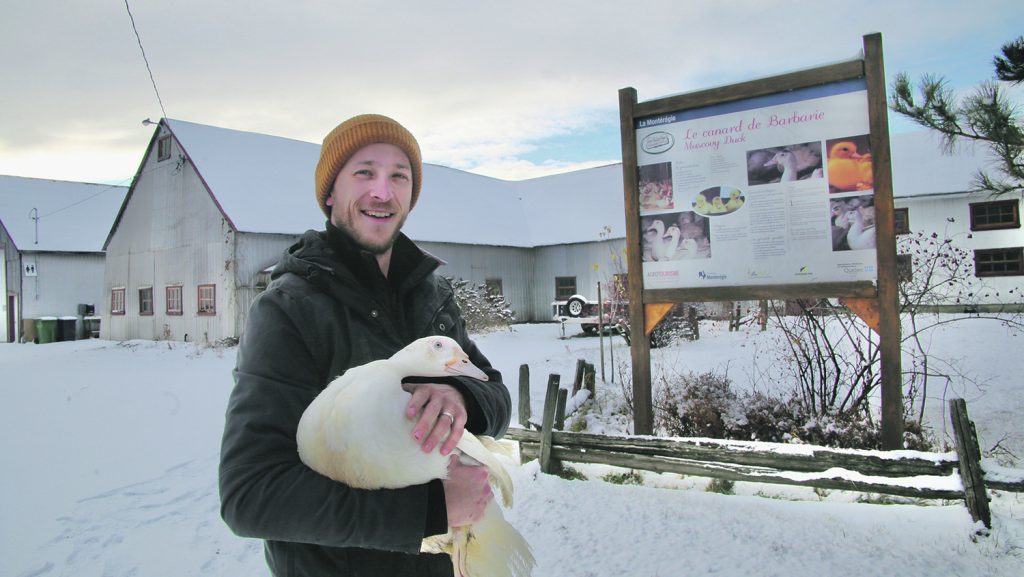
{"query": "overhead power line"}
[(146, 60)]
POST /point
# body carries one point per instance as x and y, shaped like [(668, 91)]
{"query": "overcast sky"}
[(508, 89)]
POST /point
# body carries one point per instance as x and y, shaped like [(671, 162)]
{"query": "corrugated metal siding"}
[(590, 263), (62, 282), (528, 275), (476, 264), (171, 234), (256, 252)]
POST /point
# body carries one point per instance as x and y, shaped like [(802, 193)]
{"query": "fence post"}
[(550, 400), (969, 457), (524, 396), (589, 377), (577, 381), (560, 409)]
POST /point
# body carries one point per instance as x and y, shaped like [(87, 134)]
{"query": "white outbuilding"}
[(51, 235)]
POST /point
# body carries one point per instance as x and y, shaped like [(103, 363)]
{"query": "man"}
[(358, 291)]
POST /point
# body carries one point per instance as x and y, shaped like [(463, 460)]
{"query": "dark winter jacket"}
[(327, 309)]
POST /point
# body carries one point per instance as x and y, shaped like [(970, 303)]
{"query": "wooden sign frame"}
[(878, 302)]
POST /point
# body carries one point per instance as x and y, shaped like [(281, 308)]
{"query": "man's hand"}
[(441, 412), (466, 493)]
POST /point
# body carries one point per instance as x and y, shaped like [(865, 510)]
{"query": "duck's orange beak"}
[(459, 365)]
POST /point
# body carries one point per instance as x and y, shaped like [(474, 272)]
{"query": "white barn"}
[(51, 235), (211, 209)]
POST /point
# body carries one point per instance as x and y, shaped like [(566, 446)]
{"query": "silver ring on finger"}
[(450, 416)]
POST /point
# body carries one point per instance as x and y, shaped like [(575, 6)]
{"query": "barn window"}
[(565, 287), (904, 267), (493, 286), (163, 148), (146, 300), (174, 300), (995, 215), (117, 301), (901, 220), (999, 262), (207, 299), (263, 280)]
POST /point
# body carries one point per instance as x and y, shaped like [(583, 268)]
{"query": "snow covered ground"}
[(110, 454)]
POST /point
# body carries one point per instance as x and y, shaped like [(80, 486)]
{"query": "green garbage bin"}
[(46, 329), (66, 328)]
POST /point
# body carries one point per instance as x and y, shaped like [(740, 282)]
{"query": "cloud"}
[(482, 84)]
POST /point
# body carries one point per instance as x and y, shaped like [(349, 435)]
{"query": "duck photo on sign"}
[(675, 236), (789, 163), (655, 184)]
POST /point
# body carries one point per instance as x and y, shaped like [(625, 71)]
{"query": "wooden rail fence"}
[(951, 476)]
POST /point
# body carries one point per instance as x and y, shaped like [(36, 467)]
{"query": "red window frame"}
[(207, 304), (174, 296), (114, 298)]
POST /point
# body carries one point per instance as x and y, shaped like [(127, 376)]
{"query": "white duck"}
[(689, 248), (654, 236), (859, 235), (355, 432), (671, 241), (786, 163)]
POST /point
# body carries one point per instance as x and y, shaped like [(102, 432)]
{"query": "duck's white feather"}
[(356, 432)]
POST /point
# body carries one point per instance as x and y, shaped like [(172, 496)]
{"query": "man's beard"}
[(372, 247)]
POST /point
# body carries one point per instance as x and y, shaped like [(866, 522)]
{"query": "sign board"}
[(776, 189)]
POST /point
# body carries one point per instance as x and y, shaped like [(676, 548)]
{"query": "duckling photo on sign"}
[(849, 164), (718, 201)]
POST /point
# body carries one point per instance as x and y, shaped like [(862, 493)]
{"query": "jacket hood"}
[(311, 253)]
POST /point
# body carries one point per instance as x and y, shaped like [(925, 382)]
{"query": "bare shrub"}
[(705, 405), (482, 310)]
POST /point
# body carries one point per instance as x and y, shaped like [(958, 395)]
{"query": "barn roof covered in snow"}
[(264, 184), (58, 216)]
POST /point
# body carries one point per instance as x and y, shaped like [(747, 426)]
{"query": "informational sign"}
[(29, 268), (772, 190)]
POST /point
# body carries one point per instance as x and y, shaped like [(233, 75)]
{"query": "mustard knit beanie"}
[(355, 133)]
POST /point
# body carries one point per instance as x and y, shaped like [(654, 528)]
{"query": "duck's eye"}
[(438, 345)]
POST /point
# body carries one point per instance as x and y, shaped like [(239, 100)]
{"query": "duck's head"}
[(655, 230), (843, 150), (437, 356)]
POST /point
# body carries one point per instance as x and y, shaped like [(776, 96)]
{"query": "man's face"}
[(371, 196)]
